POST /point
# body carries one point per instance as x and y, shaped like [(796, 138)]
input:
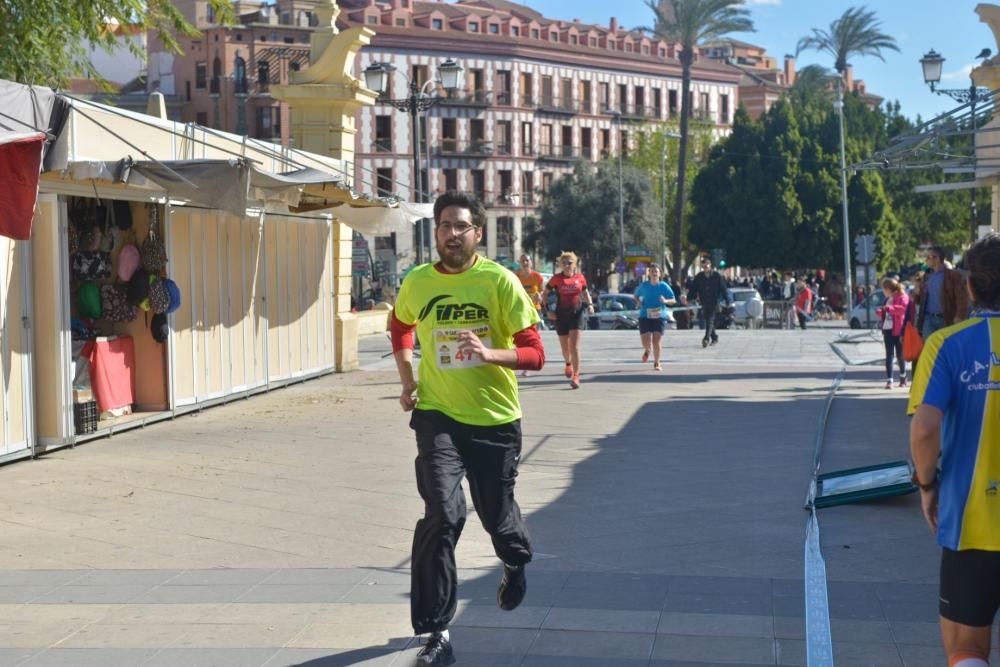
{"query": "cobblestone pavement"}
[(666, 510)]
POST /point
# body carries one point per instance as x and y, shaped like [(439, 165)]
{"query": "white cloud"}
[(764, 2), (960, 75)]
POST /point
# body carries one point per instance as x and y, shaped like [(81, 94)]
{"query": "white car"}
[(858, 316), (747, 304)]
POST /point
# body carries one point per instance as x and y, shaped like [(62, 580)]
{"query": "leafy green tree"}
[(655, 152), (46, 42), (580, 213), (691, 23)]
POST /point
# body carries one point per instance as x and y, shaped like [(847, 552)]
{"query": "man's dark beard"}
[(463, 259)]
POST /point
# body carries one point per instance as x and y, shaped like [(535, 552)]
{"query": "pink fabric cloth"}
[(111, 365)]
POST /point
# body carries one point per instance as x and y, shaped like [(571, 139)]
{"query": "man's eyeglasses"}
[(568, 263), (458, 228)]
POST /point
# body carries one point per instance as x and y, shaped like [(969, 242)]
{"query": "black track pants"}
[(447, 451), (893, 346)]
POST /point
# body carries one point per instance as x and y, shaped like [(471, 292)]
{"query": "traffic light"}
[(864, 248), (719, 257)]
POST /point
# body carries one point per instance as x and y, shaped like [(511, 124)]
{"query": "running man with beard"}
[(476, 325)]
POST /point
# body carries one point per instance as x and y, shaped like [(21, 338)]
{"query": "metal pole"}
[(427, 154), (663, 199), (972, 102), (417, 190), (621, 204), (843, 197)]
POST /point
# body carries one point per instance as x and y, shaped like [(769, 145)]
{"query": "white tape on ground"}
[(819, 644)]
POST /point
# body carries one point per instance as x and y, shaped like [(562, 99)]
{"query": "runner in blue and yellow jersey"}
[(476, 325), (955, 401)]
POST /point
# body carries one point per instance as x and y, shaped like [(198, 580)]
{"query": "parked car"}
[(621, 311), (858, 315), (744, 308), (616, 311)]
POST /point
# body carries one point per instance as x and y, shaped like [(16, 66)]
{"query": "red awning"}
[(20, 166)]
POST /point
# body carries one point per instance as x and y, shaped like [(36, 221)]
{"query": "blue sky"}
[(951, 28)]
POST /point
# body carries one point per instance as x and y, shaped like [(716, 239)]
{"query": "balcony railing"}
[(527, 150), (454, 147), (548, 104), (382, 145), (505, 149), (527, 100), (467, 98), (640, 112), (502, 98), (556, 153)]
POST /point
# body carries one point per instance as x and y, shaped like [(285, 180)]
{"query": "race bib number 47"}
[(449, 356)]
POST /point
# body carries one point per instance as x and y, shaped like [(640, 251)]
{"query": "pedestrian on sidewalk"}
[(574, 300), (803, 303), (476, 325), (709, 288), (955, 401), (943, 299), (654, 295), (893, 317)]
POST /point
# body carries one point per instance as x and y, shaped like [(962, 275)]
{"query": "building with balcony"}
[(763, 83), (534, 103), (222, 80), (534, 100)]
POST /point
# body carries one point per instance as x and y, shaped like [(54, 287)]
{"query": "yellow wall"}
[(50, 378), (14, 349)]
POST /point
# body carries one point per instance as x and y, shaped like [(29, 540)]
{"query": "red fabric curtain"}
[(20, 165)]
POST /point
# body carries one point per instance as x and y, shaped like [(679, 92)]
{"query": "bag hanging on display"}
[(159, 328), (138, 289), (88, 301), (128, 261), (175, 295), (115, 305), (154, 255), (90, 265), (122, 214), (159, 296), (913, 344)]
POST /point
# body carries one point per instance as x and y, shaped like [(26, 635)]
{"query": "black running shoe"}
[(704, 342), (513, 586), (436, 652)]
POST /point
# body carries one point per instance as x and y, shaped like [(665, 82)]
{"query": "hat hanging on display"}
[(88, 301), (128, 261)]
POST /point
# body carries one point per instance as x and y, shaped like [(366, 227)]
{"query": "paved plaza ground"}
[(666, 510)]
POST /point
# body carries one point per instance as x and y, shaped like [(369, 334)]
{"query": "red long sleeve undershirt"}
[(527, 343)]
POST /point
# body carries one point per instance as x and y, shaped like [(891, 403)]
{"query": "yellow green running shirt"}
[(486, 298), (959, 374)]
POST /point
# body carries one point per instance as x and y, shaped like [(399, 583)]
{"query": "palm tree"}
[(690, 23), (856, 33)]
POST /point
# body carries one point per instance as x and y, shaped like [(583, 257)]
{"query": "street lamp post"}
[(846, 230), (377, 79), (932, 64), (617, 115)]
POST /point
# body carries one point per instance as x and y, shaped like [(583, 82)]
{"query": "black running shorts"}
[(567, 320), (654, 325), (970, 586)]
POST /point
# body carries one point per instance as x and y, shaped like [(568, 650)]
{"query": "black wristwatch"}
[(924, 487)]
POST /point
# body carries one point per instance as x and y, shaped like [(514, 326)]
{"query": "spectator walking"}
[(956, 415), (654, 295), (476, 325), (943, 299), (709, 288), (533, 284), (573, 300), (803, 303), (893, 316)]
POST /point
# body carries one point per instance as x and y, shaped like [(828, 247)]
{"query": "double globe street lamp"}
[(932, 64), (377, 79)]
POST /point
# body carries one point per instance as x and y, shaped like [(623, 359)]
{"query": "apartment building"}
[(763, 82), (222, 79), (534, 102)]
